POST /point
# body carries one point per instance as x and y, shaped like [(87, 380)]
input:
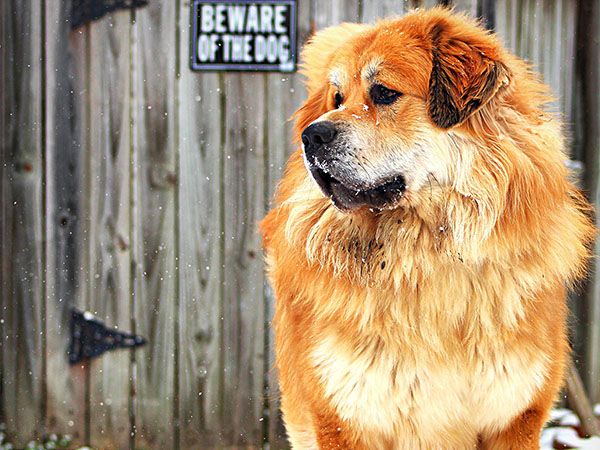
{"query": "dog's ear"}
[(464, 77)]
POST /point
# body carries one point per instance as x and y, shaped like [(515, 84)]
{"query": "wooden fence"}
[(131, 187)]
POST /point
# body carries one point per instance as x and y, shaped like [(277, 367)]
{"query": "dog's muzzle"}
[(336, 181)]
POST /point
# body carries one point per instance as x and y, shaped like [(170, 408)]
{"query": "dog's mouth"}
[(383, 196)]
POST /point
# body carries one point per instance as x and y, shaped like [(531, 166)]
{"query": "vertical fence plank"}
[(548, 27), (510, 32), (564, 68), (284, 98), (65, 405), (243, 307), (524, 26), (155, 184), (521, 26), (589, 71), (593, 147), (110, 250), (536, 16), (502, 24), (565, 65), (21, 221), (201, 111), (371, 10), (335, 12), (80, 373)]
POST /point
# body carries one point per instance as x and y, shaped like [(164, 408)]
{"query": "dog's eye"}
[(338, 100), (382, 95)]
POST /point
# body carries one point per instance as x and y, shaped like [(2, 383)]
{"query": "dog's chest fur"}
[(392, 387), (413, 340)]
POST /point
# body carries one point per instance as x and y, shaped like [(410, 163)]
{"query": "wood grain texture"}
[(110, 250), (155, 182), (81, 67), (64, 267), (506, 24), (371, 10), (243, 305), (520, 26), (21, 222), (201, 141), (335, 12), (589, 73), (563, 69)]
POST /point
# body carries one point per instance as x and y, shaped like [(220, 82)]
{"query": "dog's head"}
[(384, 102)]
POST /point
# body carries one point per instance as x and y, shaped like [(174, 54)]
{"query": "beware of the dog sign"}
[(244, 35)]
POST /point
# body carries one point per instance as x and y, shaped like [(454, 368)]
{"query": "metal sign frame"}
[(289, 66)]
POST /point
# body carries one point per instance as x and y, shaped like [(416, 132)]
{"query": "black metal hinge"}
[(83, 11), (90, 337)]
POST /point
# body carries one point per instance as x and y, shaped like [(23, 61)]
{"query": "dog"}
[(422, 242)]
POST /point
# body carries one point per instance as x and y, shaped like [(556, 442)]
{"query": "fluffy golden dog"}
[(421, 243)]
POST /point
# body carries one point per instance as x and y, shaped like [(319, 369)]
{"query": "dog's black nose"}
[(319, 133)]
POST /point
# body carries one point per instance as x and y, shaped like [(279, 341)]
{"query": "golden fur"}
[(438, 321)]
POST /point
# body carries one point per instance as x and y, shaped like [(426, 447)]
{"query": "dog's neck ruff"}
[(400, 252)]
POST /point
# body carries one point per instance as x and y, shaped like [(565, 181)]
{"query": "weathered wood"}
[(335, 12), (589, 71), (549, 20), (563, 68), (243, 306), (201, 251), (155, 224), (21, 163), (80, 374), (108, 236), (65, 402), (371, 10), (520, 27), (506, 23), (576, 128)]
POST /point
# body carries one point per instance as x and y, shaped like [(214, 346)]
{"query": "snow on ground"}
[(563, 432)]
